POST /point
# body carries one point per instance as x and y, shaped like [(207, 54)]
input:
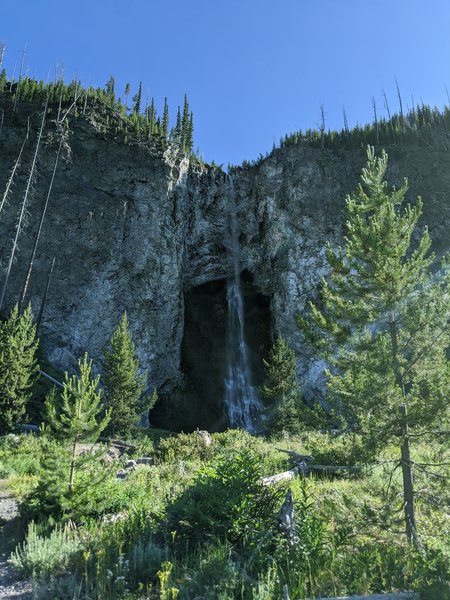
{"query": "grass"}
[(198, 523)]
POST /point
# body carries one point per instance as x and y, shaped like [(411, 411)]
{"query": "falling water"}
[(241, 399)]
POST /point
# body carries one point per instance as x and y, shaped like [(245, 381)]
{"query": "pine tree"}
[(110, 89), (185, 125), (76, 416), (177, 129), (18, 366), (137, 98), (282, 390), (127, 93), (384, 323), (165, 120), (123, 385), (190, 137), (151, 116)]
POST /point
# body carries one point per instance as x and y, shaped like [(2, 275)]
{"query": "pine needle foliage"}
[(123, 385), (18, 366), (76, 415), (281, 389), (110, 115), (383, 322)]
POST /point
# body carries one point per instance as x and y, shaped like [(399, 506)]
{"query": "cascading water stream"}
[(241, 399)]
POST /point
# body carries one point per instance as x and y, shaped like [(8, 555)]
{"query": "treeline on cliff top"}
[(133, 118), (137, 119)]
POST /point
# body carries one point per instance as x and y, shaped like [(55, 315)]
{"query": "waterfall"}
[(241, 399)]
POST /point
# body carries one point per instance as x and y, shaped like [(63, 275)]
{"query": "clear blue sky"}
[(253, 69)]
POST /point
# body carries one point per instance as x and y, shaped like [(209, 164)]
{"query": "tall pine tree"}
[(18, 366), (123, 385), (165, 120), (383, 324), (137, 99)]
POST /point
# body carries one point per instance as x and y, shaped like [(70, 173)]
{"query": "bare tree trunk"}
[(44, 297), (375, 116), (2, 52), (322, 126), (20, 79), (408, 484), (13, 173), (72, 464), (386, 104), (38, 233), (405, 461), (22, 211), (344, 114), (400, 102)]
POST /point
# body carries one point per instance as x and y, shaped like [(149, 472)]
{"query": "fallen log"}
[(285, 476)]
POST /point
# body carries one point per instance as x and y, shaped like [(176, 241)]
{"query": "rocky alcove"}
[(204, 352)]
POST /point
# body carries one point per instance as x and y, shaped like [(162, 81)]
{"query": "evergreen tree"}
[(190, 136), (18, 366), (127, 93), (383, 324), (165, 120), (123, 385), (151, 116), (137, 98), (185, 125), (76, 415), (110, 88), (177, 130), (282, 390)]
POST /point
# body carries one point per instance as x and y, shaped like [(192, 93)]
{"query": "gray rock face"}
[(138, 232)]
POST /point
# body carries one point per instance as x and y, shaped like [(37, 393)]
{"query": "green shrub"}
[(330, 449), (96, 490), (227, 499), (42, 556)]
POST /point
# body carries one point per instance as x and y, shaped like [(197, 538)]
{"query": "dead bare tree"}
[(2, 52), (322, 126), (375, 116), (400, 102), (386, 105), (14, 171), (16, 93), (23, 207), (39, 230), (346, 129)]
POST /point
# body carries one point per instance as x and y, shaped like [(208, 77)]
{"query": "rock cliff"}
[(145, 232)]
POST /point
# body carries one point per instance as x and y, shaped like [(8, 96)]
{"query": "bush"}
[(227, 499), (96, 490), (42, 556)]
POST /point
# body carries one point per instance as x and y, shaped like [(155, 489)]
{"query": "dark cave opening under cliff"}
[(204, 354)]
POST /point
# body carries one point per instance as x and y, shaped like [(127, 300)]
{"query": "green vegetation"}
[(197, 518), (282, 390), (109, 114), (18, 366), (383, 325), (123, 385), (75, 416), (424, 125), (199, 521)]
